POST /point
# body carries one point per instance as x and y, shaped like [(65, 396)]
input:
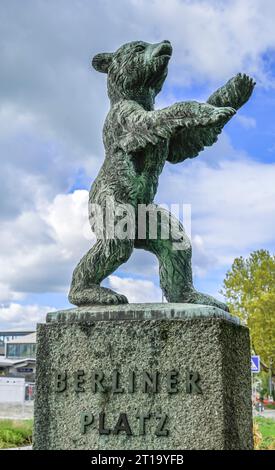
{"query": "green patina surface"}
[(138, 141), (140, 312)]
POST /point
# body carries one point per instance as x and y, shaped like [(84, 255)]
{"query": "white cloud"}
[(53, 104), (7, 295), (233, 206), (141, 263), (67, 216), (203, 260), (39, 248), (13, 121), (22, 316), (246, 121), (211, 39), (58, 92), (51, 115), (136, 290)]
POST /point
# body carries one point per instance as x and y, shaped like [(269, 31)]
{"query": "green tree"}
[(249, 288)]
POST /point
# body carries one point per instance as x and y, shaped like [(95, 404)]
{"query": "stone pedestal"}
[(143, 376)]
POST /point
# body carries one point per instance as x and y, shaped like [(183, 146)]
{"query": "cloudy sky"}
[(52, 108)]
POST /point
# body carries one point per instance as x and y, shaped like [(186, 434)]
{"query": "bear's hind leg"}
[(95, 295), (100, 261), (174, 254)]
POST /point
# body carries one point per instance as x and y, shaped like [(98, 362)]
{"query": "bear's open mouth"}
[(164, 50)]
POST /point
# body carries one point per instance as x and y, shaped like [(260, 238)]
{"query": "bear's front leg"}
[(191, 114), (236, 92), (211, 116), (141, 127)]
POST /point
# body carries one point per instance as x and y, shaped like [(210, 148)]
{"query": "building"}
[(19, 359), (21, 347), (7, 335)]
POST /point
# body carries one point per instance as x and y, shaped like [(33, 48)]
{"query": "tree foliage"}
[(249, 288)]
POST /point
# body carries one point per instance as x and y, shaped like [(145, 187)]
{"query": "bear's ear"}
[(102, 61)]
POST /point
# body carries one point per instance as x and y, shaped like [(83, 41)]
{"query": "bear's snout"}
[(163, 48)]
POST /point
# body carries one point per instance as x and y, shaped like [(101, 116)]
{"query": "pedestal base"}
[(143, 376)]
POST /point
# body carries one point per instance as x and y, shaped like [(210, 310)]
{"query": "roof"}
[(4, 362), (26, 339), (14, 331)]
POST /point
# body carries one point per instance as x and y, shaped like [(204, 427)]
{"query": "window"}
[(21, 350)]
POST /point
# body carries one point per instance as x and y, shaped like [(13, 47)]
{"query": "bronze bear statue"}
[(138, 140)]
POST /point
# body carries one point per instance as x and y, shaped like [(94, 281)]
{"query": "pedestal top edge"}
[(146, 311)]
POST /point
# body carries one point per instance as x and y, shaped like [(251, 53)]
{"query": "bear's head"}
[(136, 71)]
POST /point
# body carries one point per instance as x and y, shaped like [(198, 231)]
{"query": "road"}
[(14, 411), (266, 414)]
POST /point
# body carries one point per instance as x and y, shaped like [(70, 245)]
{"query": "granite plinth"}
[(143, 376)]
